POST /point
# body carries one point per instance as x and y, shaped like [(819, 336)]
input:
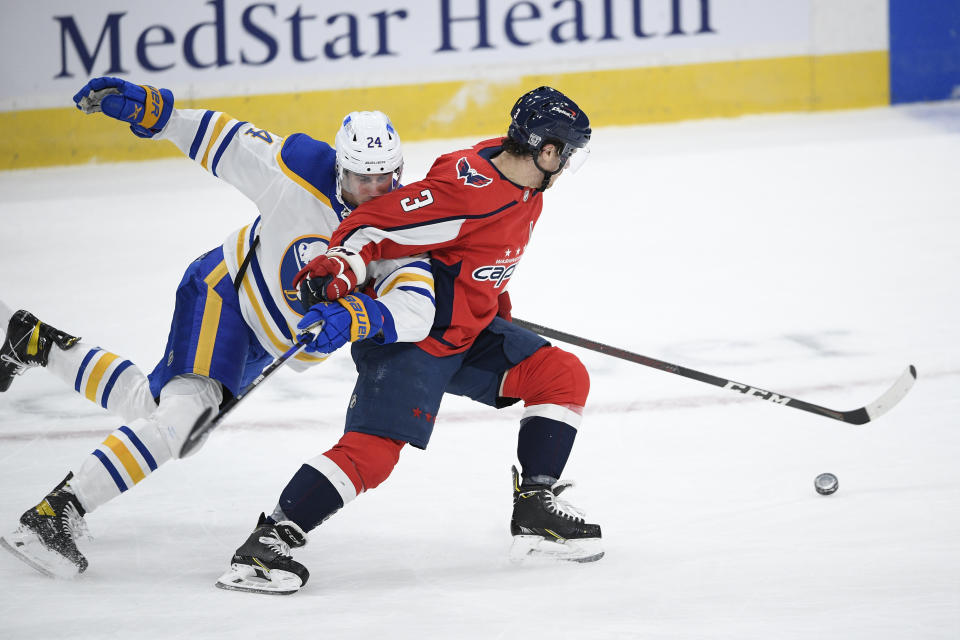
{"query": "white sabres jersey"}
[(293, 183)]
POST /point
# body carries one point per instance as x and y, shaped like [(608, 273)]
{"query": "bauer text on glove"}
[(355, 317), (146, 109)]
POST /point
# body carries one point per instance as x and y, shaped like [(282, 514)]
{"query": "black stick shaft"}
[(204, 424), (855, 416)]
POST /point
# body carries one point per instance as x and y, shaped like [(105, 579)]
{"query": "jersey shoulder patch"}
[(471, 176), (313, 161)]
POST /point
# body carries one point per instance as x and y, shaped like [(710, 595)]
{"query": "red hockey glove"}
[(338, 272), (505, 306)]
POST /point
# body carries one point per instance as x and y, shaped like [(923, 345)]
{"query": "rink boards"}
[(453, 68)]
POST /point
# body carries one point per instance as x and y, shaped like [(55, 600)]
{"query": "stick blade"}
[(890, 398)]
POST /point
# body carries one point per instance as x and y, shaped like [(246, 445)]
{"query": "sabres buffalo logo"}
[(470, 176), (296, 256)]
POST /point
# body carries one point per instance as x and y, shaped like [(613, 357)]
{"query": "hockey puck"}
[(826, 483)]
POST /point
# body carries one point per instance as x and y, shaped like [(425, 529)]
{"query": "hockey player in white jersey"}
[(236, 310)]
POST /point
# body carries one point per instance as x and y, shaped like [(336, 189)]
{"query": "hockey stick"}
[(863, 415), (204, 425)]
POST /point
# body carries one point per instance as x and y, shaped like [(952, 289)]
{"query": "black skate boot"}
[(27, 344), (263, 563), (544, 526), (47, 535)]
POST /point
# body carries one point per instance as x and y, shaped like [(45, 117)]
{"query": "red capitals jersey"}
[(474, 222)]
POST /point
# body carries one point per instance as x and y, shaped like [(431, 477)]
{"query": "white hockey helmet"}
[(367, 144)]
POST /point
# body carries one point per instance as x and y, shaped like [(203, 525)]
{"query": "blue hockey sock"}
[(309, 498), (543, 447)]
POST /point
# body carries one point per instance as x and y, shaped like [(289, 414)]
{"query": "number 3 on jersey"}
[(410, 204)]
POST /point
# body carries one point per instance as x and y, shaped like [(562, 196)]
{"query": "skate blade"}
[(529, 549), (242, 577), (26, 546)]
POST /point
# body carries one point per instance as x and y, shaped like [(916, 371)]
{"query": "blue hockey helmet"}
[(546, 115)]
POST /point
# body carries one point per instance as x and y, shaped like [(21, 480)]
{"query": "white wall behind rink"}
[(204, 48)]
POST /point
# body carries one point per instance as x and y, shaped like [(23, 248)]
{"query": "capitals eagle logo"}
[(470, 176)]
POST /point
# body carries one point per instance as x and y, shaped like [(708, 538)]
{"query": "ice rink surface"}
[(816, 255)]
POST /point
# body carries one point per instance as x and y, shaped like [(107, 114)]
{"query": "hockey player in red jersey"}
[(474, 212)]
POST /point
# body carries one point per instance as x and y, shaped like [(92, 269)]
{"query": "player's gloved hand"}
[(145, 108), (337, 273), (505, 306), (355, 317)]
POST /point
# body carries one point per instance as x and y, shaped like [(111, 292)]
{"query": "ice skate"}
[(263, 563), (547, 528), (27, 344), (47, 536)]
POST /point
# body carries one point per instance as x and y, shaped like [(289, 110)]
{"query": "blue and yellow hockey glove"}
[(355, 317), (146, 109)]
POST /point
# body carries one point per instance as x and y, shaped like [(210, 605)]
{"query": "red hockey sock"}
[(367, 460)]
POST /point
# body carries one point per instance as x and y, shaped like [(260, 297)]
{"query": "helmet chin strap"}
[(546, 174), (347, 208)]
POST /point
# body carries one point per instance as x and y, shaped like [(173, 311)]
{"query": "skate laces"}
[(562, 507), (19, 365), (276, 545), (73, 523)]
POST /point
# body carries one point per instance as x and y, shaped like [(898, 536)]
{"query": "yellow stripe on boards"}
[(210, 323), (850, 81), (96, 375), (43, 137), (126, 458), (217, 128)]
